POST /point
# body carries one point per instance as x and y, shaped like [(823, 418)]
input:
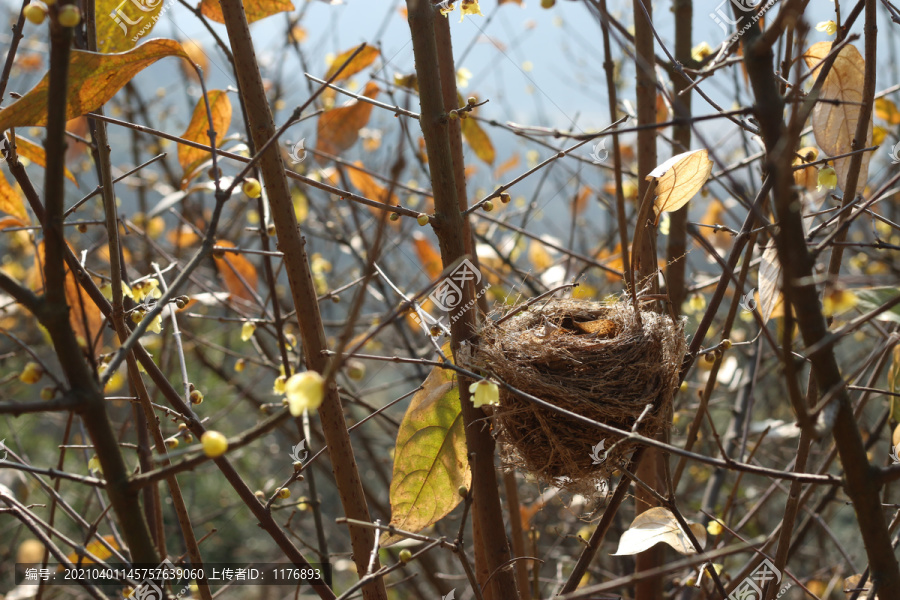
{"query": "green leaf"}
[(894, 384), (872, 298), (430, 461), (93, 79)]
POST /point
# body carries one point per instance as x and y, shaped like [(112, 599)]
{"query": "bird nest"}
[(592, 359)]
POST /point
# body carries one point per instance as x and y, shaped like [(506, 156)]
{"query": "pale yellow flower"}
[(305, 391), (484, 392)]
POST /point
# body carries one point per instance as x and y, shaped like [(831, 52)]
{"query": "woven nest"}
[(591, 359)]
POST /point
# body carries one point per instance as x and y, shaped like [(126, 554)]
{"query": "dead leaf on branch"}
[(235, 271), (679, 179), (338, 128), (430, 461), (835, 116), (769, 278), (255, 9), (93, 80), (658, 525), (198, 131), (35, 153)]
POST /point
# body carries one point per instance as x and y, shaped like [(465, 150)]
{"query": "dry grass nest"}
[(591, 359)]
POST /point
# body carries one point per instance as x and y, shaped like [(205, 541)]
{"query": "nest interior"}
[(589, 358)]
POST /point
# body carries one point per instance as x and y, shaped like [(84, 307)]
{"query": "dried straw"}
[(609, 376)]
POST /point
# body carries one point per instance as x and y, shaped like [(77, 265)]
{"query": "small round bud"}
[(69, 15), (81, 227), (252, 188), (270, 231), (463, 114), (182, 301), (239, 365), (218, 253), (214, 444), (356, 369), (336, 299), (214, 173), (463, 491), (48, 392), (284, 493), (394, 217), (726, 344), (188, 438), (298, 466), (32, 373), (137, 316), (259, 494), (504, 198), (182, 426), (35, 13), (453, 115), (548, 3), (709, 357), (683, 387), (472, 100), (435, 331), (405, 556), (196, 397), (423, 219), (488, 206), (172, 443)]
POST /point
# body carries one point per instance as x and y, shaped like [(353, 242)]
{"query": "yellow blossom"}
[(714, 528), (463, 75), (829, 27), (278, 388), (701, 51), (469, 7), (94, 466), (155, 325), (247, 330), (305, 391), (32, 373), (149, 288), (484, 392), (826, 179)]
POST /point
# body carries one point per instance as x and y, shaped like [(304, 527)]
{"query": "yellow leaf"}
[(581, 200), (11, 201), (887, 110), (28, 149), (510, 163), (197, 131), (430, 461), (98, 549), (369, 188), (93, 79), (338, 128), (478, 140), (538, 256), (429, 257), (362, 60), (679, 179), (255, 9), (122, 23), (835, 116), (196, 55), (235, 270)]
